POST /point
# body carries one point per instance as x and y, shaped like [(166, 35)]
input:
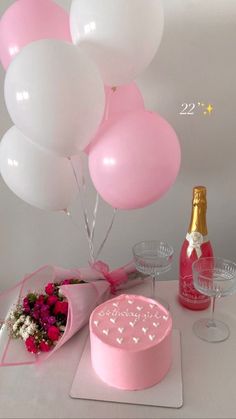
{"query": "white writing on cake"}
[(126, 313)]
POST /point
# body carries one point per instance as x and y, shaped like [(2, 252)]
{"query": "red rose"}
[(61, 307), (49, 289), (40, 299), (53, 333), (44, 347), (52, 299), (31, 345), (26, 305)]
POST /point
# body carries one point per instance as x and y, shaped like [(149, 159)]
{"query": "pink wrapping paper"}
[(82, 299)]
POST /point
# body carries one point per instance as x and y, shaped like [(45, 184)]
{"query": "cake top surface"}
[(131, 322)]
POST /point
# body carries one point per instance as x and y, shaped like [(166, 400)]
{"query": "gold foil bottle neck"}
[(199, 195), (199, 207)]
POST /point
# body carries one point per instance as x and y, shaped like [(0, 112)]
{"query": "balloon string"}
[(107, 234), (84, 210), (94, 218), (95, 211), (81, 184), (111, 92)]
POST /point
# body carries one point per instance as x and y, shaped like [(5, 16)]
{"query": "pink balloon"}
[(120, 100), (31, 20), (134, 160)]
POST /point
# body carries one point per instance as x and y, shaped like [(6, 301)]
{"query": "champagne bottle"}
[(195, 246)]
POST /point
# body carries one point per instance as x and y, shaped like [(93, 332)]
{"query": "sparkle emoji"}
[(208, 110)]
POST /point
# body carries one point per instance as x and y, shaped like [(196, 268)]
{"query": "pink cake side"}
[(131, 342)]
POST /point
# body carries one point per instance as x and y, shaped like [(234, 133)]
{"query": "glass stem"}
[(154, 279), (211, 322)]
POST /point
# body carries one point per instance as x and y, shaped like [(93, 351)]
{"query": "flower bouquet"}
[(45, 309), (40, 320)]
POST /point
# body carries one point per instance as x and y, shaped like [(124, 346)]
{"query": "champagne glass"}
[(153, 258), (216, 278)]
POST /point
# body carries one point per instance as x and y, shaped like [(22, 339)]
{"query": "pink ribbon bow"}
[(115, 278)]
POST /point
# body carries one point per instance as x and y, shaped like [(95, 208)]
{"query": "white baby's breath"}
[(18, 323), (28, 329), (32, 328), (15, 326), (28, 321), (60, 293), (22, 318), (12, 315), (23, 332)]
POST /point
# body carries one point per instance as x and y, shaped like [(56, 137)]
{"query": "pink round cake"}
[(131, 346)]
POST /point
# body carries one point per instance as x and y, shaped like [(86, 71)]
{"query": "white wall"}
[(196, 62)]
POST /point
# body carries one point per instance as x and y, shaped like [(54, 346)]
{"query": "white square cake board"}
[(168, 393)]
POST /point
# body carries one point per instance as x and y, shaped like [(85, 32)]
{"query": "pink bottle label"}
[(188, 291), (188, 295)]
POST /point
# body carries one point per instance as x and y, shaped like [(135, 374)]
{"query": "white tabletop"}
[(209, 375)]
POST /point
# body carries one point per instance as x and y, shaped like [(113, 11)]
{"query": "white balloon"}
[(40, 178), (121, 36), (55, 96)]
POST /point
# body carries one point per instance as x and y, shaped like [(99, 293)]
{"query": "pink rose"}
[(49, 289), (52, 299), (61, 307), (44, 347), (31, 345), (53, 333)]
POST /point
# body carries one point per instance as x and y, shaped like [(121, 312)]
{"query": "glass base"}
[(210, 331)]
